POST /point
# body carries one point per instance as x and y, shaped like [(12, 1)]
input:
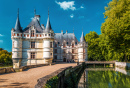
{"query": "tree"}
[(116, 30), (5, 57), (94, 51)]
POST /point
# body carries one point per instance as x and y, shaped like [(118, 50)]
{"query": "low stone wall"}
[(122, 65), (61, 74), (31, 66), (6, 70)]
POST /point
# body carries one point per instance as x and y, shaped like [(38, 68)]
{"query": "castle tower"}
[(82, 49), (48, 42), (16, 36)]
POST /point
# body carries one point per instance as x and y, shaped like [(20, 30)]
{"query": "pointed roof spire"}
[(34, 12), (18, 27), (82, 37), (48, 25)]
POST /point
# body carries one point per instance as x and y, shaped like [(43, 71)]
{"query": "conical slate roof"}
[(18, 27), (48, 25), (82, 37)]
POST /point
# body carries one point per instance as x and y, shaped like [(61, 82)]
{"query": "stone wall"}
[(122, 64), (61, 74), (6, 70)]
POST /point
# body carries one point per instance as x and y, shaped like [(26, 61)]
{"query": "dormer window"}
[(32, 33), (72, 45), (64, 45)]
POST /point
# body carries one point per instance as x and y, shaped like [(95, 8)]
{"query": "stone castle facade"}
[(37, 44)]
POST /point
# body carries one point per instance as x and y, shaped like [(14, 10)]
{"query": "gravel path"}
[(28, 78)]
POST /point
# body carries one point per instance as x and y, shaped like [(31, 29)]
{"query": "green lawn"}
[(6, 66)]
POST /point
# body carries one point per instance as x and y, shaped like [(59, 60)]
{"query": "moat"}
[(105, 78)]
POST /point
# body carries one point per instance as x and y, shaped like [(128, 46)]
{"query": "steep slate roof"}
[(18, 27), (82, 37), (34, 23), (68, 37), (48, 25)]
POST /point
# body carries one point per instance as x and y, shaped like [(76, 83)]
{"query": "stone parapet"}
[(6, 70), (61, 74)]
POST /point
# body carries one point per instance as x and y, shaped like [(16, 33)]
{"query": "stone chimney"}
[(38, 17)]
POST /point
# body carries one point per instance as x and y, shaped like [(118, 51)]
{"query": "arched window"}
[(32, 33)]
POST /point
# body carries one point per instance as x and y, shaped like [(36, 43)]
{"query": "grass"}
[(4, 66)]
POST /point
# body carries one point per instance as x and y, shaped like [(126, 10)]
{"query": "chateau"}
[(37, 44)]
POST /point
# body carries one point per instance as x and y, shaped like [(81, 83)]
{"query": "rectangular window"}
[(28, 35), (75, 43), (72, 50), (72, 56), (45, 34), (32, 55), (58, 42), (13, 43), (64, 51), (50, 44), (32, 33), (32, 44), (14, 34), (17, 34), (55, 45), (37, 35), (24, 35), (55, 50), (67, 43), (55, 57)]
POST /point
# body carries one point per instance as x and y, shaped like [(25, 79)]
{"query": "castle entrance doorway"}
[(64, 60)]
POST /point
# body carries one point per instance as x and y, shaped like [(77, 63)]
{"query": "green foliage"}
[(5, 57), (114, 42), (52, 83), (94, 51), (106, 79), (71, 80), (116, 31)]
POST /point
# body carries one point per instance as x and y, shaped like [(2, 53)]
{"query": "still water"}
[(104, 78)]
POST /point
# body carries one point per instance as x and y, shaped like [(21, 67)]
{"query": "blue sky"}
[(64, 15)]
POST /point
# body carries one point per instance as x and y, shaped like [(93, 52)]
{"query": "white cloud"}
[(72, 15), (81, 7), (1, 41), (1, 35), (67, 5)]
